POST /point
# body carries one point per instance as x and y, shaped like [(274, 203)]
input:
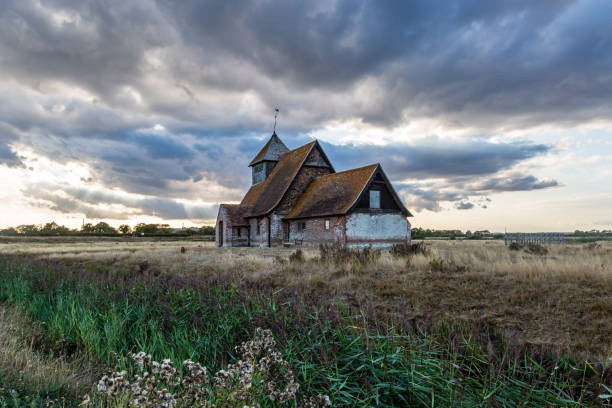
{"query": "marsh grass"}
[(562, 299), (458, 324), (31, 374), (347, 350)]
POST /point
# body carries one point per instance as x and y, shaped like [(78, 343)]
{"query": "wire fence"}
[(540, 238)]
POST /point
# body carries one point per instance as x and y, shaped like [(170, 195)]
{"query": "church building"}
[(297, 197)]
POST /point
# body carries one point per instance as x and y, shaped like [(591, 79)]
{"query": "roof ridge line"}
[(346, 171), (299, 147)]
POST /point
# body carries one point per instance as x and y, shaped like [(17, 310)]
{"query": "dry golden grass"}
[(55, 246), (24, 367), (562, 299)]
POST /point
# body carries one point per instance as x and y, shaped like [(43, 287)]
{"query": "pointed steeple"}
[(272, 151)]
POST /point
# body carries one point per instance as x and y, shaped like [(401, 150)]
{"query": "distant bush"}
[(297, 256), (515, 246), (338, 254), (408, 250), (279, 260), (592, 246), (9, 231), (536, 249), (441, 265)]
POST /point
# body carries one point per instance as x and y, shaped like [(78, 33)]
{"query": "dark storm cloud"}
[(67, 199), (505, 62), (464, 205), (509, 63), (162, 147), (476, 156), (83, 80), (467, 192), (515, 183), (429, 196), (168, 166), (84, 42), (7, 155), (153, 165), (334, 43)]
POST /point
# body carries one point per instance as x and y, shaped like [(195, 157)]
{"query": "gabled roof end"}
[(271, 151)]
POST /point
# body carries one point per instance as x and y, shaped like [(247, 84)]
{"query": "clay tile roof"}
[(263, 197), (332, 194), (250, 198), (271, 150), (236, 213)]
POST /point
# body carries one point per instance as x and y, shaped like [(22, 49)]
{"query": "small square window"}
[(301, 226), (326, 224), (374, 199)]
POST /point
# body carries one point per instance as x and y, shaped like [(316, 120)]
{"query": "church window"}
[(374, 199)]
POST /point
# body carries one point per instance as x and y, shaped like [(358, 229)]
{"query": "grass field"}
[(466, 323)]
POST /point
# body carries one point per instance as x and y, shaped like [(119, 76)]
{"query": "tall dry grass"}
[(485, 257), (561, 299), (27, 369)]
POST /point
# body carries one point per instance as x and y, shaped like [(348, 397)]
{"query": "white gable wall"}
[(377, 230)]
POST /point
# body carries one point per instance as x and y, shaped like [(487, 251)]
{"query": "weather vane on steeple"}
[(275, 115)]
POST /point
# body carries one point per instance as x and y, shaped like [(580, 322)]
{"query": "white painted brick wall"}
[(376, 229)]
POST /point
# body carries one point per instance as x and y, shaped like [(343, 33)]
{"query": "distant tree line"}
[(105, 229), (594, 232), (420, 233), (423, 233)]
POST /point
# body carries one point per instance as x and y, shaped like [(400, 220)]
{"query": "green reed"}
[(342, 355)]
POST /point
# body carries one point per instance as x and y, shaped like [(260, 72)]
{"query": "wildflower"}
[(86, 400), (260, 372)]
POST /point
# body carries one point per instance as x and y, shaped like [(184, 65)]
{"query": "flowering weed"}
[(260, 376)]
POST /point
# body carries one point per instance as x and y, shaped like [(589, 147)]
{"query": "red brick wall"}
[(227, 227), (276, 229), (261, 239), (240, 236), (316, 233)]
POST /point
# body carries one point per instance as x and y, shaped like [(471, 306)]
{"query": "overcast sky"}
[(484, 114)]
